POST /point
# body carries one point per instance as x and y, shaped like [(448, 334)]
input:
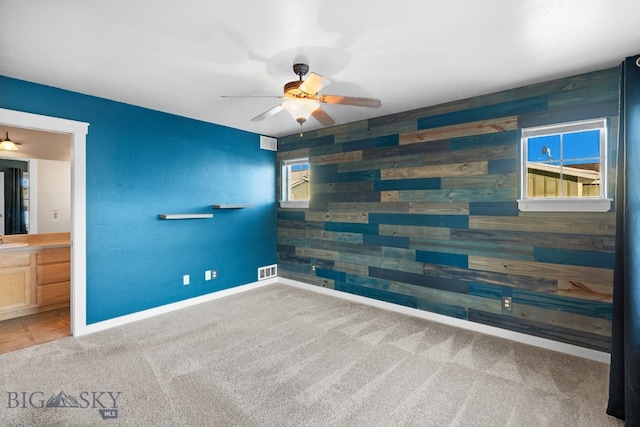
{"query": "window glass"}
[(564, 167), (296, 175)]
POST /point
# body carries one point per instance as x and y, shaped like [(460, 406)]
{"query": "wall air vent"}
[(267, 272), (267, 143)]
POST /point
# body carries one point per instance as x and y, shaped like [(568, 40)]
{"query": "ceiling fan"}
[(303, 99)]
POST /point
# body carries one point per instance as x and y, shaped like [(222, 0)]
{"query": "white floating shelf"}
[(185, 216), (232, 206)]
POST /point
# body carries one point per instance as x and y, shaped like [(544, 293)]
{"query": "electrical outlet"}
[(185, 279), (506, 303), (207, 275), (214, 274)]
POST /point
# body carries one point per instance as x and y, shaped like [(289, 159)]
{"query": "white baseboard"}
[(573, 350), (145, 314)]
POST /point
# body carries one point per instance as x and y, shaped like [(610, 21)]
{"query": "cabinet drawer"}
[(15, 259), (53, 273), (53, 256), (53, 293)]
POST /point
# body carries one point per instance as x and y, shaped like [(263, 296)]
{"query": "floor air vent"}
[(267, 272), (267, 143)]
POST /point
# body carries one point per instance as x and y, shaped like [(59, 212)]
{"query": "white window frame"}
[(565, 204), (284, 180)]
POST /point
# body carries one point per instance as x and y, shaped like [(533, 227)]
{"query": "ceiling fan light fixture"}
[(8, 145), (301, 109)]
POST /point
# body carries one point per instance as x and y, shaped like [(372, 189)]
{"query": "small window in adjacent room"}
[(564, 168), (295, 176)]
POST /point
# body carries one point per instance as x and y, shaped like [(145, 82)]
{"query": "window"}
[(564, 167), (295, 175)]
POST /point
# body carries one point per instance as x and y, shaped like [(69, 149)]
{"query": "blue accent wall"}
[(141, 163)]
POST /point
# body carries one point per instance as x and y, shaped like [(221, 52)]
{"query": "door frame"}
[(78, 133)]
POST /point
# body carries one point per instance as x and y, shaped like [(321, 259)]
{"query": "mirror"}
[(44, 160)]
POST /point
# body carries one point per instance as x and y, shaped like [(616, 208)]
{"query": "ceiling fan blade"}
[(268, 113), (251, 96), (314, 84), (350, 100), (320, 115)]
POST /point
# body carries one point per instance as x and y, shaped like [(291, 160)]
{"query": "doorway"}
[(77, 132)]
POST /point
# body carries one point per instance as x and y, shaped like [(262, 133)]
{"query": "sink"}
[(12, 245)]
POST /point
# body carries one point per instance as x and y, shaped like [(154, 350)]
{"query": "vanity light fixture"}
[(8, 145)]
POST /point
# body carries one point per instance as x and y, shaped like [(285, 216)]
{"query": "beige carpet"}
[(282, 356)]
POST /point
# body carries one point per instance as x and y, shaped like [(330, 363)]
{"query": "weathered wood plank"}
[(494, 209), (456, 169), (413, 115), (312, 280), (368, 207), (387, 263), (317, 234), (568, 224), (584, 258), (408, 184), (338, 197), (358, 217), (583, 339), (369, 282), (496, 194), (317, 253), (585, 291), (448, 208), (378, 294), (556, 318), (565, 84), (348, 227), (481, 248), (599, 276), (301, 225), (595, 309), (382, 163), (435, 282), (442, 258), (302, 143), (293, 154), (540, 284), (352, 269), (292, 241), (425, 220), (511, 108), (478, 182), (439, 296), (343, 247), (539, 238), (401, 151), (464, 129), (340, 187), (386, 241), (351, 156), (415, 231)]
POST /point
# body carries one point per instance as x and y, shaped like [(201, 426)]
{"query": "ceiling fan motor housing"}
[(300, 69)]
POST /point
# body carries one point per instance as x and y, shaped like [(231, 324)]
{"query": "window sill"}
[(565, 205), (294, 204)]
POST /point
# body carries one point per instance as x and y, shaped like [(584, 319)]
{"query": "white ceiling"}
[(181, 56)]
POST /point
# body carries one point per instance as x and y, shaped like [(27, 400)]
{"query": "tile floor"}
[(34, 329)]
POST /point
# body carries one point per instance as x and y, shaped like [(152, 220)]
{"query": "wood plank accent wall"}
[(419, 209)]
